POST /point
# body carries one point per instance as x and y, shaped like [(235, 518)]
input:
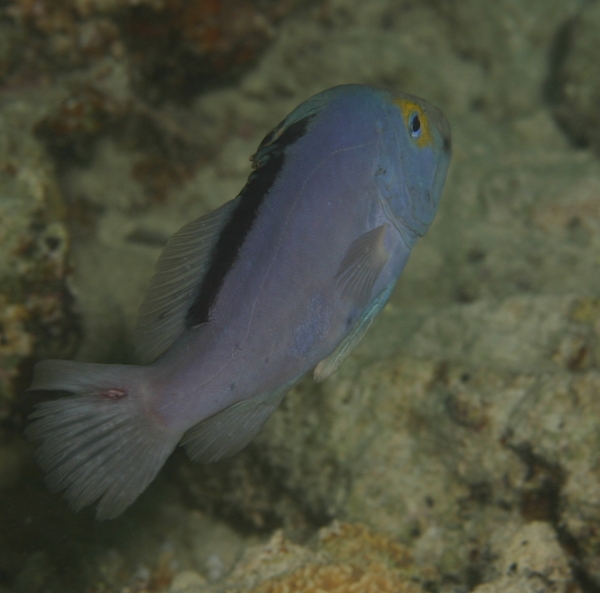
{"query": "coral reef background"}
[(458, 448)]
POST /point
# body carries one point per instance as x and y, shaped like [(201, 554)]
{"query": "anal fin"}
[(229, 431)]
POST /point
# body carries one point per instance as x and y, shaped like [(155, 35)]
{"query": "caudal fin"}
[(101, 443)]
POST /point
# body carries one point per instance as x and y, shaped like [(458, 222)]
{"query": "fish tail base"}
[(101, 443)]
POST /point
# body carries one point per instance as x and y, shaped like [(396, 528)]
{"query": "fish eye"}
[(414, 125)]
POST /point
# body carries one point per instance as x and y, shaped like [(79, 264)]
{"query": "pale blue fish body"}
[(283, 279)]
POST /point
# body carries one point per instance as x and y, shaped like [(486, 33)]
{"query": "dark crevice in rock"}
[(541, 501)]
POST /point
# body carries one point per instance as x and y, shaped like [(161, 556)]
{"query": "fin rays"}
[(229, 431), (362, 265), (113, 459), (95, 447), (179, 272), (329, 365)]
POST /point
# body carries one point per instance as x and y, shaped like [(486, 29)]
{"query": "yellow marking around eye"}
[(408, 108)]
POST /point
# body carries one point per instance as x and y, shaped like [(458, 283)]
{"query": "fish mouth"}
[(440, 123), (447, 139)]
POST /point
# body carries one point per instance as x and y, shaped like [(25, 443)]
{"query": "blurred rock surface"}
[(576, 80), (37, 318)]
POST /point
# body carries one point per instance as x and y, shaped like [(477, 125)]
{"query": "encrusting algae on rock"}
[(353, 558), (356, 559), (350, 558), (338, 578)]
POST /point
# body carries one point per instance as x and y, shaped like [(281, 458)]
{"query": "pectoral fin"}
[(362, 265)]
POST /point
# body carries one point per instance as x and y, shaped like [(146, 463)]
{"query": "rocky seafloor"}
[(458, 448)]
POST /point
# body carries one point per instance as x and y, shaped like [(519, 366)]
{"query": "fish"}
[(285, 278)]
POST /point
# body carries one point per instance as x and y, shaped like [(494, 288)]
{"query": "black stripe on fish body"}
[(266, 141), (260, 181), (269, 142)]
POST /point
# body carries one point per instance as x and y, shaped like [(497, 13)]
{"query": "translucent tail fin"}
[(101, 443)]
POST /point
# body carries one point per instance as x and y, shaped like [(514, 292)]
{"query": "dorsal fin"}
[(178, 274), (170, 303)]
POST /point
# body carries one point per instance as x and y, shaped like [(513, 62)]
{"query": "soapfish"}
[(285, 278)]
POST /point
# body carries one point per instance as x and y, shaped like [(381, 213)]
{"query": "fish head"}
[(414, 161)]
